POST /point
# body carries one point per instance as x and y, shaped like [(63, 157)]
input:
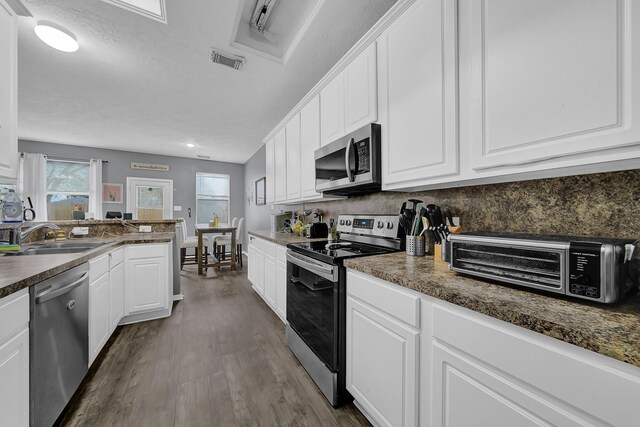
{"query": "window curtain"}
[(95, 187), (32, 182)]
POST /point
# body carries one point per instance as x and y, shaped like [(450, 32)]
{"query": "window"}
[(67, 186), (212, 197)]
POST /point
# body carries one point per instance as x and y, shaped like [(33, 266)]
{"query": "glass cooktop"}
[(338, 250)]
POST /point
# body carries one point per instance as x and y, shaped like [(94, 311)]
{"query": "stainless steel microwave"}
[(351, 164)]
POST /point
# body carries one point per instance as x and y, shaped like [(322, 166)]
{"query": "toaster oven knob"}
[(380, 224), (389, 225)]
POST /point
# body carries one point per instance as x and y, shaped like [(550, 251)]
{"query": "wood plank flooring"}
[(219, 360)]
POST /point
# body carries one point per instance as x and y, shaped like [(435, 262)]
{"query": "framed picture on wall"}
[(111, 193), (261, 186)]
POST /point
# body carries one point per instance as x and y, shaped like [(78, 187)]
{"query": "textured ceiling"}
[(140, 85)]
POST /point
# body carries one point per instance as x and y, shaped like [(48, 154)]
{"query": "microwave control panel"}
[(362, 153), (585, 269)]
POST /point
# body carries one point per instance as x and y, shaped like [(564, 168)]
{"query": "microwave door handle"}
[(347, 159)]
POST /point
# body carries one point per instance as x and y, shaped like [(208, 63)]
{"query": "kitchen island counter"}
[(22, 271), (613, 331)]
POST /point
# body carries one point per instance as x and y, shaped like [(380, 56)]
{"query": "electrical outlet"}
[(80, 231), (145, 229), (177, 208)]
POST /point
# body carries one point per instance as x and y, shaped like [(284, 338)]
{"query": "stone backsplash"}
[(105, 228), (604, 205)]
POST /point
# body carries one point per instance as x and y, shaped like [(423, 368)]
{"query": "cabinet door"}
[(309, 143), (332, 110), (280, 161), (14, 380), (99, 319), (293, 158), (8, 94), (251, 259), (361, 90), (418, 94), (544, 88), (281, 290), (258, 272), (270, 280), (146, 284), (468, 394), (270, 171), (382, 360), (116, 290)]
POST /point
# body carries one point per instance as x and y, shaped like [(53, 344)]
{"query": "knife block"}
[(437, 249)]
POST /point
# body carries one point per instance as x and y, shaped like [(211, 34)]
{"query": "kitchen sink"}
[(68, 247)]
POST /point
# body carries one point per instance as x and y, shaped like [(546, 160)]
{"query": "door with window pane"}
[(150, 199), (212, 197)]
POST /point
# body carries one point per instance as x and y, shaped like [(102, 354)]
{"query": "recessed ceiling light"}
[(190, 144), (56, 36)]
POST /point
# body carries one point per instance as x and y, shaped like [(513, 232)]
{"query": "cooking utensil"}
[(447, 215)]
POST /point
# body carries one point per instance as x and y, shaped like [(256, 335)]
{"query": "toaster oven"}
[(594, 269)]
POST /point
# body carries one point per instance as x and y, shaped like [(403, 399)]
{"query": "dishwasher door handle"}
[(61, 291)]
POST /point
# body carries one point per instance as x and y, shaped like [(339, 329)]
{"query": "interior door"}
[(149, 199)]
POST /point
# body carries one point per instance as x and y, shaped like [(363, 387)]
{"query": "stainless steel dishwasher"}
[(59, 342)]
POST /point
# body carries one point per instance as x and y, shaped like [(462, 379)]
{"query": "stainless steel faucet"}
[(19, 237)]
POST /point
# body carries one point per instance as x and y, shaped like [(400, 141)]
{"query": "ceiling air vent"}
[(19, 8), (228, 59)]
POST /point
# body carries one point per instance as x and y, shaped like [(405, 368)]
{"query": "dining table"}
[(203, 260)]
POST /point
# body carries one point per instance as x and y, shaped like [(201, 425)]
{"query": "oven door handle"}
[(327, 272), (347, 159)]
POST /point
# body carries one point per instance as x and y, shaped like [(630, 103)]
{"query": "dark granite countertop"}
[(282, 238), (19, 272), (613, 331)]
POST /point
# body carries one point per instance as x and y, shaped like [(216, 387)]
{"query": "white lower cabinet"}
[(281, 283), (416, 360), (99, 302), (382, 352), (14, 359), (268, 273), (116, 291), (146, 278)]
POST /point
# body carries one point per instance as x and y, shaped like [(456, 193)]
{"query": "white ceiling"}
[(139, 85)]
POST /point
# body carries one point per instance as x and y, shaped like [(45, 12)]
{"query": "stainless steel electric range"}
[(316, 296)]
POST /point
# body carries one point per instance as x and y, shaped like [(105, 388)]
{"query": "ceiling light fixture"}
[(56, 36), (190, 145)]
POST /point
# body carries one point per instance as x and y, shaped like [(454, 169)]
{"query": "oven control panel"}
[(369, 225)]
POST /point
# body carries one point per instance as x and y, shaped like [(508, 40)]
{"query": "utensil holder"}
[(415, 245)]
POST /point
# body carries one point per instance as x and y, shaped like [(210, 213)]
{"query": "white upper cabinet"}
[(292, 130), (361, 91), (280, 161), (270, 171), (417, 72), (550, 79), (309, 143), (8, 94), (332, 110)]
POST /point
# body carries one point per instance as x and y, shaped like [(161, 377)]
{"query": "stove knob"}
[(380, 224), (342, 222), (348, 222), (390, 225)]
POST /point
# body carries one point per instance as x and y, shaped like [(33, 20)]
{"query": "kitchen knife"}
[(447, 215), (433, 228)]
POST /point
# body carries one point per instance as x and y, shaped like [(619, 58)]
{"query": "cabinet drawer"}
[(14, 313), (257, 243), (270, 249), (570, 374), (117, 256), (385, 297), (145, 251), (98, 266)]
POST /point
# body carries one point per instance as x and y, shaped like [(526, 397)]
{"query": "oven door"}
[(313, 305), (350, 163)]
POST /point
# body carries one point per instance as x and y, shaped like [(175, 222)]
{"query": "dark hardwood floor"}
[(219, 360)]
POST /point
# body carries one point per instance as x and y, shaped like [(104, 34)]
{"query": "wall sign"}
[(150, 166)]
